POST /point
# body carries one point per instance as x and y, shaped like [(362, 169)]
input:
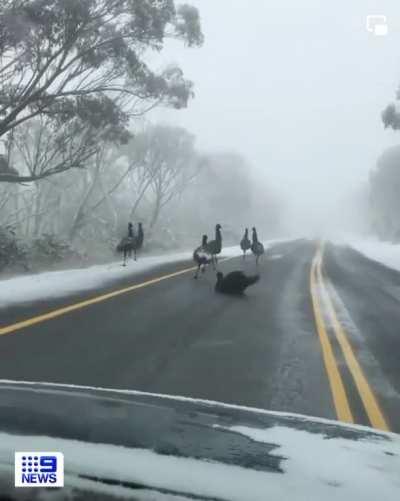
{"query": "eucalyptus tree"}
[(82, 64)]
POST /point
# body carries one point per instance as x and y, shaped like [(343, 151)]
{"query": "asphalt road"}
[(265, 350)]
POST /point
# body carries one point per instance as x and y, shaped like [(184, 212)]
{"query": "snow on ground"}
[(383, 252), (28, 288)]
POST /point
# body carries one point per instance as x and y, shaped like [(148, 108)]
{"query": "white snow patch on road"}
[(272, 257)]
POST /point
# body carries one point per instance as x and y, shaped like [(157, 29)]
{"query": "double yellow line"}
[(324, 312)]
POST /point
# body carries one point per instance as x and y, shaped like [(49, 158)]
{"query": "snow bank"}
[(383, 252), (28, 288)]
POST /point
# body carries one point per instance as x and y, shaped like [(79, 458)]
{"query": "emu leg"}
[(196, 275)]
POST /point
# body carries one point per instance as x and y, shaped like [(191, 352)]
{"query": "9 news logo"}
[(39, 469)]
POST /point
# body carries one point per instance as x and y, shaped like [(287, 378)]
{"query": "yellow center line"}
[(339, 396), (8, 329), (368, 398)]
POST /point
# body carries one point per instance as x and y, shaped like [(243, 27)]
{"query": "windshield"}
[(197, 200)]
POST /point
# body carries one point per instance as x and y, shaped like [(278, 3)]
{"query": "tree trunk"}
[(156, 212)]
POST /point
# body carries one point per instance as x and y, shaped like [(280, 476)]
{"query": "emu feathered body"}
[(257, 247), (132, 242), (201, 256), (245, 243), (235, 282), (215, 246)]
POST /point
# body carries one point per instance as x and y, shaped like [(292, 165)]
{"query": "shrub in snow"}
[(41, 252), (13, 252), (49, 249)]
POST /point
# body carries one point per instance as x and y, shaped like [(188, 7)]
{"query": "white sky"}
[(297, 86)]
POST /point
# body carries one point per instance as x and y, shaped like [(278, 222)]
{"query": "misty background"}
[(290, 128), (298, 88)]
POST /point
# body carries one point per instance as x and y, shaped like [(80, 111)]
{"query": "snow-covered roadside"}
[(28, 288), (383, 252)]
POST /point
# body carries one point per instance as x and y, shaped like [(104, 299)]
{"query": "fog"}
[(298, 89), (283, 132)]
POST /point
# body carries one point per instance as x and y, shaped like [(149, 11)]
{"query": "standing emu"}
[(131, 243), (245, 243), (201, 257), (257, 247), (126, 243), (215, 246)]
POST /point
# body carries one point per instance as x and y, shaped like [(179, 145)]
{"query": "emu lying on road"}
[(235, 282)]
